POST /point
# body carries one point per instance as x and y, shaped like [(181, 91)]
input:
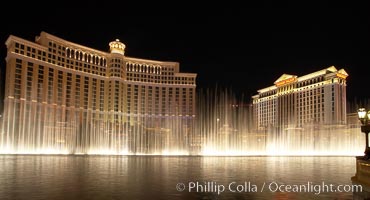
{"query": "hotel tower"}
[(292, 102), (62, 97)]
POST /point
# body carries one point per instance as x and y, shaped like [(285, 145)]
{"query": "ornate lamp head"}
[(362, 115)]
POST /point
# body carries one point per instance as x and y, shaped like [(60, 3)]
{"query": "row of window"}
[(299, 85), (85, 57), (53, 86), (81, 61)]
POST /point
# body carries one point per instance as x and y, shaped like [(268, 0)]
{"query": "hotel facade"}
[(62, 97), (294, 102)]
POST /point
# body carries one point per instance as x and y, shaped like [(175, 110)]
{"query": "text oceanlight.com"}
[(247, 186)]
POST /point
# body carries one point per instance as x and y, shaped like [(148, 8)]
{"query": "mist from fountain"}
[(223, 126)]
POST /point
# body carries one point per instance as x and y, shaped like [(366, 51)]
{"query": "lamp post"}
[(365, 128)]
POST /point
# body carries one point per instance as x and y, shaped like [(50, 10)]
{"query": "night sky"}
[(220, 44)]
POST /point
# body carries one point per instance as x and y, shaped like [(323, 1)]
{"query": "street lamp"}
[(365, 128)]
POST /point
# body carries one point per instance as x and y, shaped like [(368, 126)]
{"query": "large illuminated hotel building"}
[(70, 98), (292, 102)]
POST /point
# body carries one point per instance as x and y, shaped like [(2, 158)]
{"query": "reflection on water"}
[(151, 177)]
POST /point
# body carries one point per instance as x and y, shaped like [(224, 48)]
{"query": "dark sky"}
[(237, 47)]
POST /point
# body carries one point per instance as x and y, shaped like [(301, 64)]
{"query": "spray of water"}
[(223, 125)]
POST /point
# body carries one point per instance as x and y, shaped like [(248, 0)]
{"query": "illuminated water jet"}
[(223, 127)]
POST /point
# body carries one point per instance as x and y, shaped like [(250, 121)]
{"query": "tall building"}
[(63, 97), (293, 102)]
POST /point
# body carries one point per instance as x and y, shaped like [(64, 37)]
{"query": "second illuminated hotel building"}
[(293, 102), (59, 92)]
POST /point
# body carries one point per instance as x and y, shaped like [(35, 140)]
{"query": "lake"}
[(175, 177)]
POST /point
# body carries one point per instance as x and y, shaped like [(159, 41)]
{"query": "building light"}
[(286, 81), (341, 76)]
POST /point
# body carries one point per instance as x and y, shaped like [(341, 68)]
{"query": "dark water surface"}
[(152, 177)]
